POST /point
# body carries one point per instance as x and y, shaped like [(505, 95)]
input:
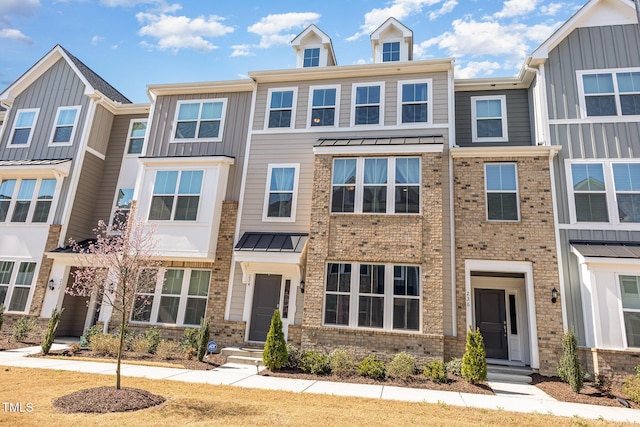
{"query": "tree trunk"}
[(120, 347)]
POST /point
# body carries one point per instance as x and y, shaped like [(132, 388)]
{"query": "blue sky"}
[(132, 43)]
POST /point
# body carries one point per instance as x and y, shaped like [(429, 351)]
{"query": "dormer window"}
[(313, 48), (392, 42), (391, 52), (311, 57)]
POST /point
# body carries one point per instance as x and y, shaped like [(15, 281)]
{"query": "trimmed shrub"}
[(166, 350), (436, 371), (189, 342), (372, 367), (274, 355), (104, 345), (454, 366), (402, 366), (474, 361), (152, 336), (293, 357), (85, 339), (313, 362), (343, 363), (52, 327), (203, 338), (569, 369), (23, 327)]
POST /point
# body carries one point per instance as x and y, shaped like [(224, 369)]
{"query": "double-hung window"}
[(376, 185), (16, 280), (610, 93), (122, 207), (171, 296), (23, 126), (626, 178), (280, 197), (368, 104), (176, 195), (589, 192), (24, 200), (501, 185), (200, 120), (64, 127), (413, 97), (374, 296), (630, 299), (323, 106), (135, 139), (281, 104), (311, 57), (44, 200), (489, 118), (391, 52)]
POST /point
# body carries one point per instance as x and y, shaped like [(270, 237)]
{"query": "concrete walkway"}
[(508, 397)]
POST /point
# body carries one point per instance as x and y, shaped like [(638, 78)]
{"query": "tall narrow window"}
[(22, 286), (630, 293), (502, 192), (197, 294), (406, 297), (136, 136), (589, 192), (280, 197), (311, 57), (180, 205), (7, 188), (144, 298), (65, 124), (281, 105), (367, 105), (170, 296), (415, 102), (23, 200), (23, 127), (371, 296), (489, 118), (374, 198), (629, 88), (338, 292), (626, 177), (407, 188), (323, 107), (391, 52), (44, 200), (6, 271), (343, 192), (200, 120), (123, 207)]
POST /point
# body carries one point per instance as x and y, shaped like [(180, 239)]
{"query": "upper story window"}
[(501, 182), (26, 200), (413, 97), (122, 207), (311, 57), (489, 118), (376, 185), (280, 197), (323, 106), (22, 131), (610, 93), (176, 195), (391, 52), (368, 102), (64, 127), (200, 120), (135, 138), (281, 108), (589, 192), (16, 284)]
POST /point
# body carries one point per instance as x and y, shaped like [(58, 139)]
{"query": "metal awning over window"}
[(369, 141), (272, 242), (607, 249)]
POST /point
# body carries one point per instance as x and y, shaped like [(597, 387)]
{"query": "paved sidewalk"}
[(509, 397)]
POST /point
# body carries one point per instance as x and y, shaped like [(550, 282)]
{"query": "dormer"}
[(392, 42), (313, 48)]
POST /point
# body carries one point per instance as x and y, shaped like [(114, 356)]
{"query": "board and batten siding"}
[(518, 118), (59, 86), (439, 90), (234, 134)]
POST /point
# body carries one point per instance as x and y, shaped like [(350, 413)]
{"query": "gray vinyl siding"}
[(439, 103), (100, 129), (234, 134), (518, 118), (58, 86), (81, 221)]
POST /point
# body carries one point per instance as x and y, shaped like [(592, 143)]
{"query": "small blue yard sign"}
[(212, 346)]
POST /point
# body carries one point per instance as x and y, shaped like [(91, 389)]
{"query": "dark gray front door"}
[(266, 296), (491, 318)]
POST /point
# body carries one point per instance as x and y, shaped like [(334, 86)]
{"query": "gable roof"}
[(297, 41), (94, 84), (407, 34)]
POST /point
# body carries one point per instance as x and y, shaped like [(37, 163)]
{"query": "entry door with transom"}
[(266, 296), (491, 318)]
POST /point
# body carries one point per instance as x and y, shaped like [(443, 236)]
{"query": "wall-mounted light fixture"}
[(302, 286), (554, 295), (52, 284)]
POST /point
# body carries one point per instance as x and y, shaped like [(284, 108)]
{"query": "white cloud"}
[(14, 35), (399, 9), (552, 9), (447, 7), (513, 8), (476, 69), (241, 50), (96, 39), (18, 7), (181, 32), (272, 28), (160, 6)]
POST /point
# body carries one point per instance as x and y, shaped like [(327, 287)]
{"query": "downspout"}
[(452, 226)]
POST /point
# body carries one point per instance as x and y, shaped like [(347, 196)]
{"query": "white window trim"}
[(336, 118), (388, 296), (12, 284), (486, 193), (114, 205), (129, 138), (294, 199), (33, 200), (182, 305), (311, 46), (389, 41), (391, 186), (77, 109), (33, 128), (616, 93), (294, 103), (429, 102), (354, 88), (198, 120), (625, 340), (171, 220), (474, 119), (610, 190)]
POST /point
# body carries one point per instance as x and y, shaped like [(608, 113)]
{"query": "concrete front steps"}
[(245, 355), (509, 374)]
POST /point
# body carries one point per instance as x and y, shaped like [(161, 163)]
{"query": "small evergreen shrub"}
[(436, 371), (274, 355), (631, 388), (203, 338), (372, 367), (313, 362), (91, 332), (166, 350), (52, 327), (105, 345), (23, 327), (189, 341), (343, 363), (569, 369), (474, 361), (152, 336), (454, 366), (402, 366), (293, 357)]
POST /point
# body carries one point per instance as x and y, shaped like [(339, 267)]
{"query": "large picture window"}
[(201, 120), (280, 197), (501, 181), (610, 93), (16, 281), (176, 195), (26, 200)]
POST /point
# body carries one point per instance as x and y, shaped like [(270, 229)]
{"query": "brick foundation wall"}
[(36, 336), (294, 335), (614, 364)]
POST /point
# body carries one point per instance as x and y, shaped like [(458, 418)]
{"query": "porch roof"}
[(597, 249), (272, 242)]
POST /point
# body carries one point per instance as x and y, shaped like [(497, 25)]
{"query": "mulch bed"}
[(103, 400), (590, 395), (12, 345)]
